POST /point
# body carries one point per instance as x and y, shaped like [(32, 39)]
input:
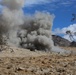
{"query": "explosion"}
[(31, 32), (36, 31)]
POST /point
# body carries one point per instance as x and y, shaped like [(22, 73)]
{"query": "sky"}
[(62, 9)]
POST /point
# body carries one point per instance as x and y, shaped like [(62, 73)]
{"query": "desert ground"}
[(17, 61)]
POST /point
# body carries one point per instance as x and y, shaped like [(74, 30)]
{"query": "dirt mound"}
[(6, 51)]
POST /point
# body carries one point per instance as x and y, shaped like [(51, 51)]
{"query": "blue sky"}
[(62, 9)]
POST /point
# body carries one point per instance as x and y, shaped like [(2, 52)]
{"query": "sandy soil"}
[(36, 63), (69, 48), (7, 51)]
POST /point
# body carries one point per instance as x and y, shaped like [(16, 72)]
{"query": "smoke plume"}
[(36, 31), (12, 16), (31, 32)]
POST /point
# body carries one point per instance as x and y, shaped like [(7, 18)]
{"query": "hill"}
[(59, 41)]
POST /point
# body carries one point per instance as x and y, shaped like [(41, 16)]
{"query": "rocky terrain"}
[(17, 61), (59, 41), (52, 64)]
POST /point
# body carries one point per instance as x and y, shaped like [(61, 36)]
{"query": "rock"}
[(9, 66), (32, 69), (60, 70), (20, 69)]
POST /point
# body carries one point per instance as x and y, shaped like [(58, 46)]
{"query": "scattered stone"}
[(32, 69), (9, 66), (20, 69)]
